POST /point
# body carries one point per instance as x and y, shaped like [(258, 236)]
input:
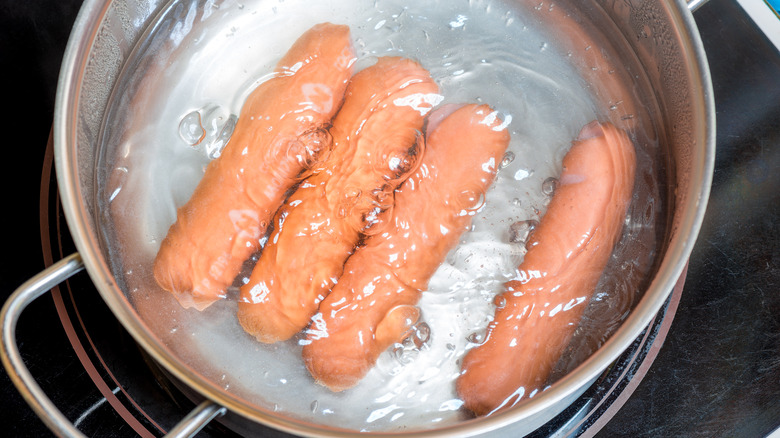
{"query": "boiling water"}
[(178, 102)]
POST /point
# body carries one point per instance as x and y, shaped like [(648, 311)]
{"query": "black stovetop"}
[(717, 374)]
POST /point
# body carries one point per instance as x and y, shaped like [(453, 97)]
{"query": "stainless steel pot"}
[(664, 41)]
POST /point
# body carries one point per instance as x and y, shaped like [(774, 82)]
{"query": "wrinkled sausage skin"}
[(373, 305), (281, 133), (377, 144), (567, 254)]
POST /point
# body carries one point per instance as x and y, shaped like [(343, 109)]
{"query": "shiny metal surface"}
[(196, 420), (101, 39), (27, 385), (12, 359), (693, 5)]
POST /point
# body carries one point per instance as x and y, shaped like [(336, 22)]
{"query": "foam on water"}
[(211, 55)]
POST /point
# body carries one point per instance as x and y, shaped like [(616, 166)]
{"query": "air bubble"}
[(421, 334), (519, 232), (215, 148), (210, 126), (471, 201), (507, 160), (191, 130), (549, 186), (476, 338), (400, 354)]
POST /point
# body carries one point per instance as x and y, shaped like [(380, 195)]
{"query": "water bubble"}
[(191, 130), (507, 160), (346, 206), (401, 355), (499, 301), (549, 186), (471, 201), (210, 126), (476, 338), (519, 232), (314, 406), (421, 334), (516, 201), (383, 197), (311, 148), (214, 149)]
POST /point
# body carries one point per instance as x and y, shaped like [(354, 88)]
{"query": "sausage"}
[(373, 304), (377, 145), (282, 132), (538, 312)]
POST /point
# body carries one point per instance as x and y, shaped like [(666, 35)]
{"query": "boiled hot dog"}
[(372, 306), (376, 136), (280, 134), (539, 311)]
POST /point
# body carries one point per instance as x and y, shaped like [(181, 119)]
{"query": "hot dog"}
[(373, 304), (567, 253), (377, 145), (280, 134)]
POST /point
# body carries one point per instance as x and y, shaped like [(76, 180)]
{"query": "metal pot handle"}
[(25, 382), (693, 5)]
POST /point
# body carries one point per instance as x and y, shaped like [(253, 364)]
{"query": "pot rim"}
[(78, 220)]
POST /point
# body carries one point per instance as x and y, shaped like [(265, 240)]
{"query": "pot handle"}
[(693, 5), (25, 382)]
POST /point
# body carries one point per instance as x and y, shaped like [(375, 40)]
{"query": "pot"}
[(665, 75)]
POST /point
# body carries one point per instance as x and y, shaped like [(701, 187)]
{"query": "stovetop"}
[(714, 369)]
